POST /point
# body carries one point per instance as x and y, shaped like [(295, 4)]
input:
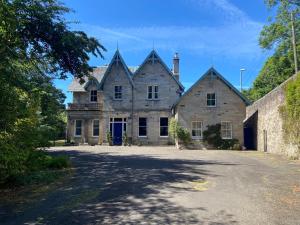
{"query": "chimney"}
[(176, 66)]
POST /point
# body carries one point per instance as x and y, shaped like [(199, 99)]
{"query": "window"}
[(117, 120), (93, 96), (226, 130), (153, 92), (142, 127), (78, 127), (95, 128), (197, 129), (164, 127), (211, 99), (118, 92)]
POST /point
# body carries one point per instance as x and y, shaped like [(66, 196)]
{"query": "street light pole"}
[(241, 79)]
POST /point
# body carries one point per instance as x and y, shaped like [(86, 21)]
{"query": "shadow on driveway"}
[(119, 189)]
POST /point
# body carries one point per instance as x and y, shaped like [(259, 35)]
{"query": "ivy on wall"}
[(212, 136), (290, 112)]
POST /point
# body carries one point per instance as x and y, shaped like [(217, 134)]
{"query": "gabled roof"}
[(226, 82), (97, 74), (117, 58), (153, 56)]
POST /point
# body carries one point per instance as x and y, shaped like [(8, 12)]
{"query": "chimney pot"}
[(176, 66)]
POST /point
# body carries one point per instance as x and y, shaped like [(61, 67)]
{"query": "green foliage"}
[(125, 140), (36, 46), (184, 135), (177, 132), (16, 163), (212, 136), (290, 112), (12, 158), (277, 36), (173, 127), (109, 138)]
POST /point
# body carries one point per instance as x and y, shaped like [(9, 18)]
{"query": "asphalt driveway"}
[(162, 185)]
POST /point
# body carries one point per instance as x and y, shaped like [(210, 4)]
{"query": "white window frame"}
[(121, 92), (231, 128), (164, 126), (142, 136), (98, 127), (209, 93), (75, 135), (91, 96), (201, 130), (154, 92)]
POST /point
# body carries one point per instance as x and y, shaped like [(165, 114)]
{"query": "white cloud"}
[(229, 11), (235, 38)]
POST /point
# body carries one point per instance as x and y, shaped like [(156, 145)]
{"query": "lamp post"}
[(241, 78)]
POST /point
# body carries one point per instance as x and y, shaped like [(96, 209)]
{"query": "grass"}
[(40, 168), (59, 143)]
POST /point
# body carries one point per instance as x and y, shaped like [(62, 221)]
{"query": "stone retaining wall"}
[(267, 127)]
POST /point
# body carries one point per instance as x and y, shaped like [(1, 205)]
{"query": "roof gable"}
[(118, 59), (217, 74), (97, 74), (154, 57)]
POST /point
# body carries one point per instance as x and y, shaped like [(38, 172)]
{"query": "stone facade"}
[(133, 105), (264, 121), (229, 107), (150, 95)]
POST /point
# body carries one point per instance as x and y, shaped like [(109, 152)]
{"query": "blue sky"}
[(219, 33)]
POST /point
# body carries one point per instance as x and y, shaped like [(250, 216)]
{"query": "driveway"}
[(162, 185)]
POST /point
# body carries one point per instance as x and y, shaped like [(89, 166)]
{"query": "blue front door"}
[(117, 134)]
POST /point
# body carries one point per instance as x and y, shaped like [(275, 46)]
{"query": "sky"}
[(219, 33)]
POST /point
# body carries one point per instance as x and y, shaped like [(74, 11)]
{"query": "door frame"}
[(113, 120)]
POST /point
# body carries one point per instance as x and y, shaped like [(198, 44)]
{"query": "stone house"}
[(212, 100), (139, 102), (120, 100)]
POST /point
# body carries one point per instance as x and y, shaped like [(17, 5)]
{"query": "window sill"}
[(115, 99), (227, 138), (152, 99), (142, 137), (197, 138), (164, 136), (211, 106)]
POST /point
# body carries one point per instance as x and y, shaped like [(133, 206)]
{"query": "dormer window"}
[(118, 92), (211, 99), (93, 96), (153, 92)]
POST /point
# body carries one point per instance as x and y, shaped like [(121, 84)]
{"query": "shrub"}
[(177, 132), (184, 136), (12, 158), (290, 112), (125, 140), (17, 162), (212, 136), (59, 162), (109, 139)]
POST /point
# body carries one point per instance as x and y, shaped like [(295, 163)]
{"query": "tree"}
[(277, 36), (36, 46)]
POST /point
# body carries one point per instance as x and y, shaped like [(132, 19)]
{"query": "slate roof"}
[(98, 73), (226, 82)]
